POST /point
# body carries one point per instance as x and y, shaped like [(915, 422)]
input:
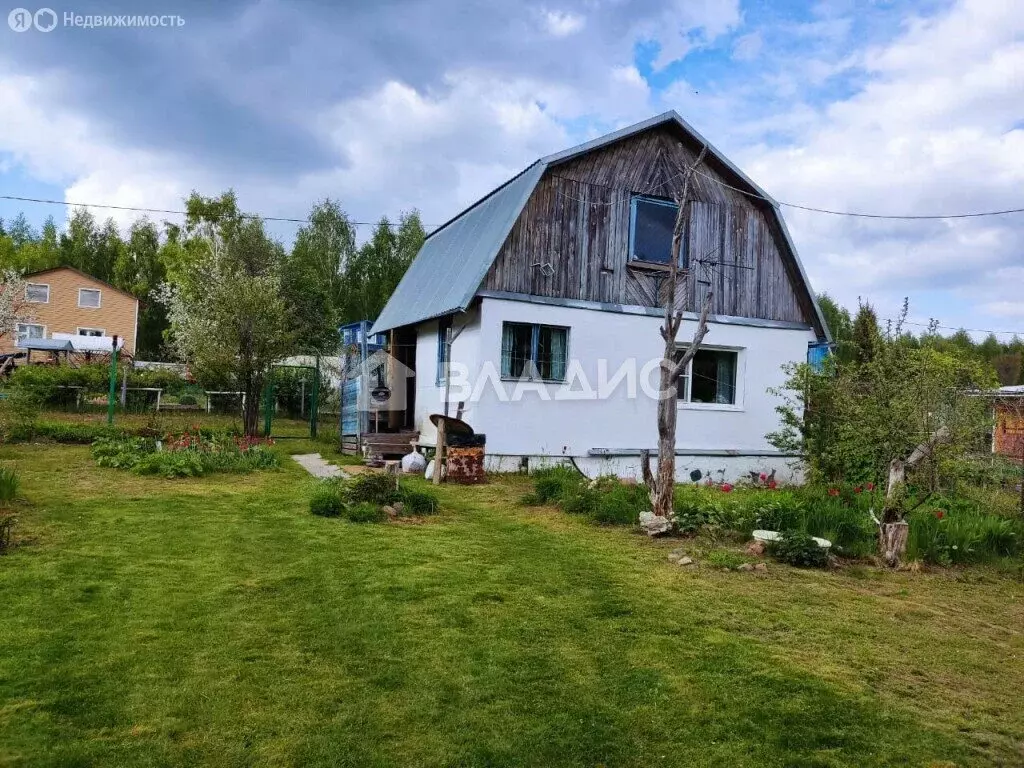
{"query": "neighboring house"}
[(1008, 434), (65, 302), (550, 284)]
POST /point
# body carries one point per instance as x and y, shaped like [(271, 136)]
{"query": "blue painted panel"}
[(817, 354)]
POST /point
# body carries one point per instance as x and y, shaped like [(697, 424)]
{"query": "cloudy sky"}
[(876, 106)]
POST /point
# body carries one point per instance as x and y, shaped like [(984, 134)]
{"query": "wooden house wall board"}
[(578, 221)]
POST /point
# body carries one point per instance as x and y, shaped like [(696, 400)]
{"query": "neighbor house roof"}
[(83, 274), (447, 272)]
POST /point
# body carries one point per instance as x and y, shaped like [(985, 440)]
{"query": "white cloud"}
[(934, 128), (747, 47), (563, 23)]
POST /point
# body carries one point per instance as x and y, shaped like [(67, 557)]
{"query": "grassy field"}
[(215, 622)]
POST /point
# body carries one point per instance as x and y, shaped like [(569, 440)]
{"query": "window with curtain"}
[(709, 378), (444, 327), (651, 222), (531, 351)]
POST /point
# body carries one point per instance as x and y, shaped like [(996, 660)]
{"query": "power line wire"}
[(828, 211), (173, 212)]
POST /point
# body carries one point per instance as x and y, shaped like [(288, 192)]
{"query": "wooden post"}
[(440, 449)]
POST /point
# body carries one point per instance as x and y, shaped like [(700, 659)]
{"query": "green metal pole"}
[(314, 406), (268, 403), (112, 395)]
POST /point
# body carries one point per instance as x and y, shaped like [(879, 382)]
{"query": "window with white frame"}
[(531, 351), (710, 377), (89, 298), (26, 331), (651, 222), (90, 331), (37, 293)]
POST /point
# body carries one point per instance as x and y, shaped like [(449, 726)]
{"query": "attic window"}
[(88, 298), (651, 222)]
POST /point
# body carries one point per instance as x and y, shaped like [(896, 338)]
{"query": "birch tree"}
[(14, 308), (662, 486)]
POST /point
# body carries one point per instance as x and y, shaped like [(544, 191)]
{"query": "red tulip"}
[(726, 487), (858, 489), (939, 514), (871, 486), (833, 491), (772, 485), (763, 477)]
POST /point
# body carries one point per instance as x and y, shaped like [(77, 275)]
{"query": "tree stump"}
[(892, 542)]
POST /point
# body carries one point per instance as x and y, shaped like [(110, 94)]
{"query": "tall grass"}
[(10, 484)]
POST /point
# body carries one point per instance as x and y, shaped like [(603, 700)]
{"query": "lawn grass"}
[(214, 621)]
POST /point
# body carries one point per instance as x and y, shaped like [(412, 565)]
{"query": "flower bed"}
[(188, 454), (944, 530)]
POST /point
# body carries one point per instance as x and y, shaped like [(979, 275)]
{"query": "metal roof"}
[(446, 273), (50, 345)]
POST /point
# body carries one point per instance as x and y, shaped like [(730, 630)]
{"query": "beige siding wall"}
[(116, 314)]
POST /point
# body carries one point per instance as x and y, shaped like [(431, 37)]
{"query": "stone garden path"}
[(316, 466)]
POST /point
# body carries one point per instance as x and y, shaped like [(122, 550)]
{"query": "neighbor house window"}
[(88, 297), (37, 293), (28, 331), (651, 222), (530, 351), (444, 327), (709, 378), (90, 331)]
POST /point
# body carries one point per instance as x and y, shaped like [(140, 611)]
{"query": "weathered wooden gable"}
[(572, 238)]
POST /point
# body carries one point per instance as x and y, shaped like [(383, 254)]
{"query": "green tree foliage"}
[(372, 274), (866, 337), (314, 277), (853, 418), (228, 316), (841, 326)]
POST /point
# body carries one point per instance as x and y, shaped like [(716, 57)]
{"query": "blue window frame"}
[(444, 326), (651, 221), (531, 351)]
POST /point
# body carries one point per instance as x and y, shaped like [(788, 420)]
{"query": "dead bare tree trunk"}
[(661, 487), (892, 528)]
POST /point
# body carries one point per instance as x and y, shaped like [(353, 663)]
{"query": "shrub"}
[(374, 487), (364, 512), (960, 534), (775, 511), (10, 484), (619, 504), (187, 400), (579, 501), (551, 484), (419, 501), (325, 501), (799, 549)]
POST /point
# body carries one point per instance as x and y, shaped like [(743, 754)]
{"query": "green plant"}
[(722, 558), (187, 400), (551, 484), (375, 487), (170, 464), (10, 484), (419, 501), (325, 501), (364, 512), (799, 549), (619, 504), (579, 501), (7, 521)]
